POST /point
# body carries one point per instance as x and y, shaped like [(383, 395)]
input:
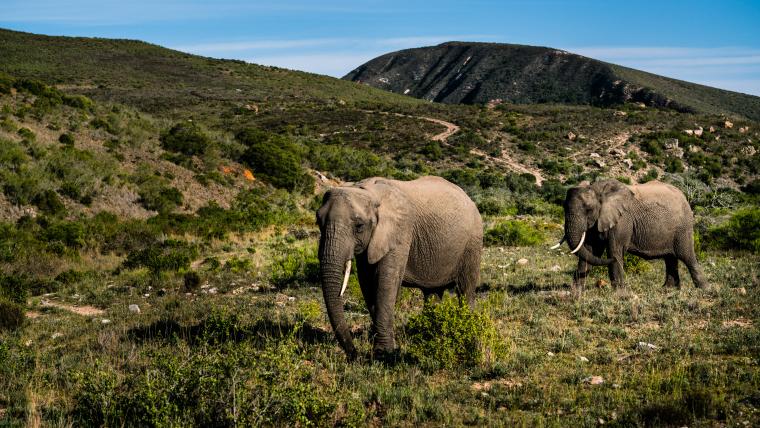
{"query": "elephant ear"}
[(616, 199), (391, 210)]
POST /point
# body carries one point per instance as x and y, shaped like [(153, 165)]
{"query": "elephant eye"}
[(359, 227)]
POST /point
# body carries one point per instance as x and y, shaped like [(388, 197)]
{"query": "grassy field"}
[(200, 211)]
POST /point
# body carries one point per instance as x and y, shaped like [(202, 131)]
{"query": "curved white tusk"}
[(583, 238), (345, 277), (558, 243)]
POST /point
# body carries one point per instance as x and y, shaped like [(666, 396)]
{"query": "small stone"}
[(146, 295), (728, 125), (105, 321), (620, 113), (740, 291), (291, 299), (616, 386), (689, 131), (595, 155), (28, 343), (644, 346), (601, 421), (522, 262), (212, 290), (134, 309), (555, 268), (698, 132), (583, 359), (571, 136), (550, 354), (56, 335), (712, 129), (594, 380), (628, 163)]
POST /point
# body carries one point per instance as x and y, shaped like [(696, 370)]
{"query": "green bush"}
[(348, 163), (186, 138), (66, 139), (652, 174), (299, 266), (449, 334), (49, 202), (156, 195), (636, 265), (741, 232), (673, 165), (27, 134), (513, 233), (14, 288), (12, 315), (276, 159), (167, 256)]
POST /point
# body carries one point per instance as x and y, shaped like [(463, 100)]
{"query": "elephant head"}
[(601, 204), (354, 220)]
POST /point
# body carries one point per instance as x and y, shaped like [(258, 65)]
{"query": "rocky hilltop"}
[(476, 73)]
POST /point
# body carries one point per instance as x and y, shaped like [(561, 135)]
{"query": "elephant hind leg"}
[(672, 279), (685, 252), (468, 277), (428, 293)]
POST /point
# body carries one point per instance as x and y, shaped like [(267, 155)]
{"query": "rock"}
[(698, 132), (618, 153), (212, 290), (748, 150), (644, 346), (252, 107), (105, 321), (594, 380), (571, 136), (728, 125), (134, 309), (689, 131), (56, 335), (744, 129), (583, 359), (595, 155), (712, 129), (550, 354), (522, 262), (671, 143), (599, 163), (619, 113), (341, 102), (628, 163), (694, 149), (641, 105), (555, 268), (740, 291)]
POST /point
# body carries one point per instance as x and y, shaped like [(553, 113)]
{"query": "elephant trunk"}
[(334, 261), (575, 232)]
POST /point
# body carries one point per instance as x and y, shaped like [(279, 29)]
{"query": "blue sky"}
[(716, 43)]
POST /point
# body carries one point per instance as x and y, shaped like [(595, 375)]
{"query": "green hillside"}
[(158, 253), (464, 72)]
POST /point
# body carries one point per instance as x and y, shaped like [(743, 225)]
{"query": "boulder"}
[(728, 125), (689, 131), (743, 129), (571, 136), (134, 309), (698, 132)]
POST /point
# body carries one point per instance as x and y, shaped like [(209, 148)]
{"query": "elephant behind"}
[(652, 220), (426, 233)]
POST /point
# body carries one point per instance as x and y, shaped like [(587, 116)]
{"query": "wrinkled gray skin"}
[(651, 220), (424, 233)]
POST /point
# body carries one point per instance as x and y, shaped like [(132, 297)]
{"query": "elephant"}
[(425, 233), (651, 220)]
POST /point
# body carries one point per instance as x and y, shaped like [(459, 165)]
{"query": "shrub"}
[(186, 138), (449, 334), (156, 195), (170, 255), (11, 315), (673, 165), (513, 233), (276, 159), (636, 265), (49, 202), (27, 134), (66, 139), (432, 150), (652, 174), (299, 266), (64, 235), (14, 288), (741, 232)]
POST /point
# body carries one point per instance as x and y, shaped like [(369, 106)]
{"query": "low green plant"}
[(298, 266), (167, 256), (741, 232), (449, 334), (66, 139), (513, 233), (157, 195), (12, 315), (186, 138)]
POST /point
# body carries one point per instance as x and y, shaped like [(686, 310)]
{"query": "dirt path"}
[(506, 160), (85, 311), (451, 128)]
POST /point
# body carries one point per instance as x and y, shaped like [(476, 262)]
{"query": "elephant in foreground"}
[(426, 233), (651, 220)]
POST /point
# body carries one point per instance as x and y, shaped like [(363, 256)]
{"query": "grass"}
[(222, 264)]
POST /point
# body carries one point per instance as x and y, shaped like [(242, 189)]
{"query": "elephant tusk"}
[(558, 243), (345, 277), (583, 238)]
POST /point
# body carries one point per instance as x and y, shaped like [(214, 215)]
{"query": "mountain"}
[(477, 73)]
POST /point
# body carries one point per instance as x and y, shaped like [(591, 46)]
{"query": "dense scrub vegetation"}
[(197, 207)]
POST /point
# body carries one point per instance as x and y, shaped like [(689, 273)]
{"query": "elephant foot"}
[(671, 284), (387, 356)]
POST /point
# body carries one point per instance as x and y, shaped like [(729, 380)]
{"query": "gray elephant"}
[(651, 220), (426, 233)]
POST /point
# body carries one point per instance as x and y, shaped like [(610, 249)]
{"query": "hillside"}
[(158, 253), (463, 72)]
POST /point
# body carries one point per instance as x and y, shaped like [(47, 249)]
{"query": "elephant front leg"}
[(388, 282), (579, 277), (616, 269), (367, 275)]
